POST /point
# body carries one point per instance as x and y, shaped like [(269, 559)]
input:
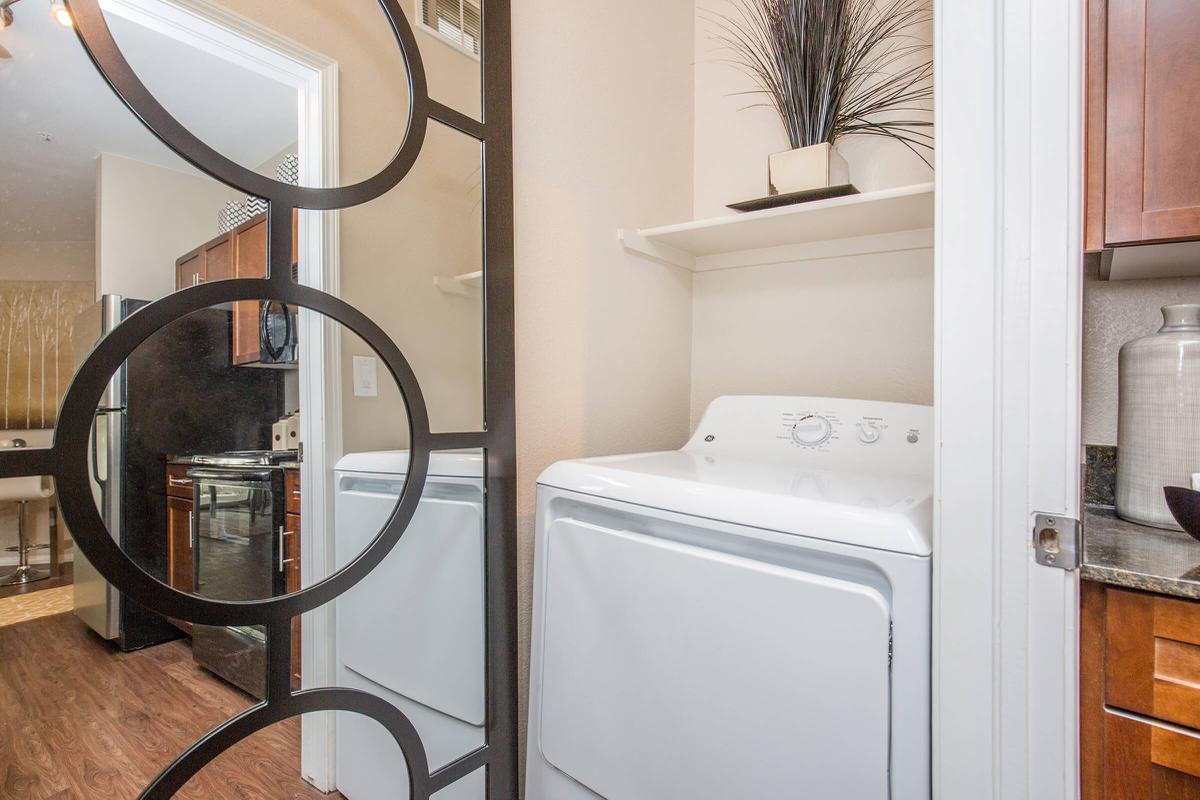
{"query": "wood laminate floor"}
[(81, 721)]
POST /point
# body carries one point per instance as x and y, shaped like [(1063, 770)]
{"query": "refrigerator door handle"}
[(102, 482)]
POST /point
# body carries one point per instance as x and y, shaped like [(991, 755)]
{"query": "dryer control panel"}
[(893, 438)]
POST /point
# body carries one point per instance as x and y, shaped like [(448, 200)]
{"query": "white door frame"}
[(1009, 286), (215, 30)]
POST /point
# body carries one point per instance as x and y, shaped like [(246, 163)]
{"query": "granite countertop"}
[(1135, 556)]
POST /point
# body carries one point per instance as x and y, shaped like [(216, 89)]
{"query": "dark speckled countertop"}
[(1124, 554)]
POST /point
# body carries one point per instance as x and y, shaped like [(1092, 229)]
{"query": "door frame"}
[(213, 29), (1009, 248)]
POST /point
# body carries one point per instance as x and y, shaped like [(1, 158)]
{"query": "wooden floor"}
[(80, 721)]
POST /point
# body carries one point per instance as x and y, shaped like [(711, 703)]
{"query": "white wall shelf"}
[(873, 222), (459, 284)]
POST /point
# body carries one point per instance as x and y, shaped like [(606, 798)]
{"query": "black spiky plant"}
[(836, 68)]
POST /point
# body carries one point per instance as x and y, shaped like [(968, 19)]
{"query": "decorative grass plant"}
[(835, 68)]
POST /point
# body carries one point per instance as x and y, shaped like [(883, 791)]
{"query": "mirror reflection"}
[(250, 449)]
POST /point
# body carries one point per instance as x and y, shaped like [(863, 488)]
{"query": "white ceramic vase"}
[(817, 166), (1158, 432)]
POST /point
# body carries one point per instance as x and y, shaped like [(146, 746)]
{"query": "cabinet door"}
[(1152, 656), (189, 270), (250, 258), (1152, 186), (1143, 761), (218, 260), (291, 553), (180, 573)]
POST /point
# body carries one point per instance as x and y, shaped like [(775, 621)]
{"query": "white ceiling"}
[(48, 189)]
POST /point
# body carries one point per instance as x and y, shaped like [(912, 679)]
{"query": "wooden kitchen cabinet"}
[(250, 253), (241, 253), (1143, 109), (292, 556), (211, 261), (1139, 695), (180, 563)]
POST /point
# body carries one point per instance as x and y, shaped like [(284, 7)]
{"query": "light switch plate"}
[(366, 376)]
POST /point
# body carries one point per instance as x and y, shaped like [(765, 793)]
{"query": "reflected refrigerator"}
[(177, 394)]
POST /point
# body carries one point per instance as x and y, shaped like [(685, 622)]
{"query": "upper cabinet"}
[(1143, 95)]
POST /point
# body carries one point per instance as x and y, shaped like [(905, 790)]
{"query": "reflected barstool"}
[(21, 491)]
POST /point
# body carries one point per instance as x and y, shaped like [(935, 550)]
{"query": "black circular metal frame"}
[(66, 461)]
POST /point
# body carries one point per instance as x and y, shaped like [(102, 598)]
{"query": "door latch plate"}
[(1057, 541)]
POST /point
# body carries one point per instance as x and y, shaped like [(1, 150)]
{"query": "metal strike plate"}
[(1056, 541)]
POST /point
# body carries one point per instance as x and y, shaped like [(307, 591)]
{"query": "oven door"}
[(237, 555)]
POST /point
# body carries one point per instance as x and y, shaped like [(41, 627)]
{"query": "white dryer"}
[(412, 631), (748, 617)]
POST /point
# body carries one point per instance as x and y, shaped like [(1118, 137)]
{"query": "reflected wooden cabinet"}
[(241, 253), (1143, 111), (180, 562), (250, 259), (1139, 695), (291, 554)]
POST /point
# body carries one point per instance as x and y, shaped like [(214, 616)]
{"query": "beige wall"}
[(392, 247), (1114, 312), (146, 217), (48, 261), (603, 126), (842, 327), (851, 327)]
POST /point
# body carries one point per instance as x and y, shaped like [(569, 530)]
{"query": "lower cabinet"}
[(292, 565), (180, 572), (1139, 695)]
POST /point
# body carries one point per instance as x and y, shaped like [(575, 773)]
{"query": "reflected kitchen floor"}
[(113, 720)]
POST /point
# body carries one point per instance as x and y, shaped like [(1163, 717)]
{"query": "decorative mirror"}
[(257, 325)]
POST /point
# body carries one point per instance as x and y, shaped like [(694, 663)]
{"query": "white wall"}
[(853, 327), (1114, 312), (146, 217), (603, 139)]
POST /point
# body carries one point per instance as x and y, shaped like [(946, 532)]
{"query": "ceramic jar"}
[(1158, 432)]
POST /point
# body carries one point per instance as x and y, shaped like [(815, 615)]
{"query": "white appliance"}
[(412, 632), (748, 617)]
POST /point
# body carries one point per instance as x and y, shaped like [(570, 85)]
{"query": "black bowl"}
[(1185, 507)]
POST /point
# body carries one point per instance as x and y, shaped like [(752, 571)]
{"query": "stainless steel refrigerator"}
[(178, 394)]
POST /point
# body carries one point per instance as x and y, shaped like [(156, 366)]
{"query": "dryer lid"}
[(442, 464), (857, 472)]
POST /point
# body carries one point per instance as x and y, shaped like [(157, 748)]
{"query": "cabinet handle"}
[(191, 528), (283, 561), (179, 481), (195, 279)]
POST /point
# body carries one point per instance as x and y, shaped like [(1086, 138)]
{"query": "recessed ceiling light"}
[(62, 14)]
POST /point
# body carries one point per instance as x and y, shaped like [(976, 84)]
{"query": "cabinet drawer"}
[(1144, 761), (291, 486), (178, 482), (1152, 656)]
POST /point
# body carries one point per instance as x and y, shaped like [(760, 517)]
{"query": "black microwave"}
[(278, 333)]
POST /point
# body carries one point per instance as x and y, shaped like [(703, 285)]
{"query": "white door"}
[(1009, 276)]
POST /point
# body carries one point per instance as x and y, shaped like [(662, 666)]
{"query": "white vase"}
[(817, 166), (1158, 430)]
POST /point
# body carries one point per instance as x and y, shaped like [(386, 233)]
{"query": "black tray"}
[(807, 196)]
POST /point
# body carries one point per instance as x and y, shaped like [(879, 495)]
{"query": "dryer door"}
[(672, 672)]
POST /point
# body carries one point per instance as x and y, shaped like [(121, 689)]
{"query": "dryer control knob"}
[(812, 430), (868, 432)]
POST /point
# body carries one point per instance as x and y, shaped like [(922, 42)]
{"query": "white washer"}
[(412, 631), (748, 617)]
